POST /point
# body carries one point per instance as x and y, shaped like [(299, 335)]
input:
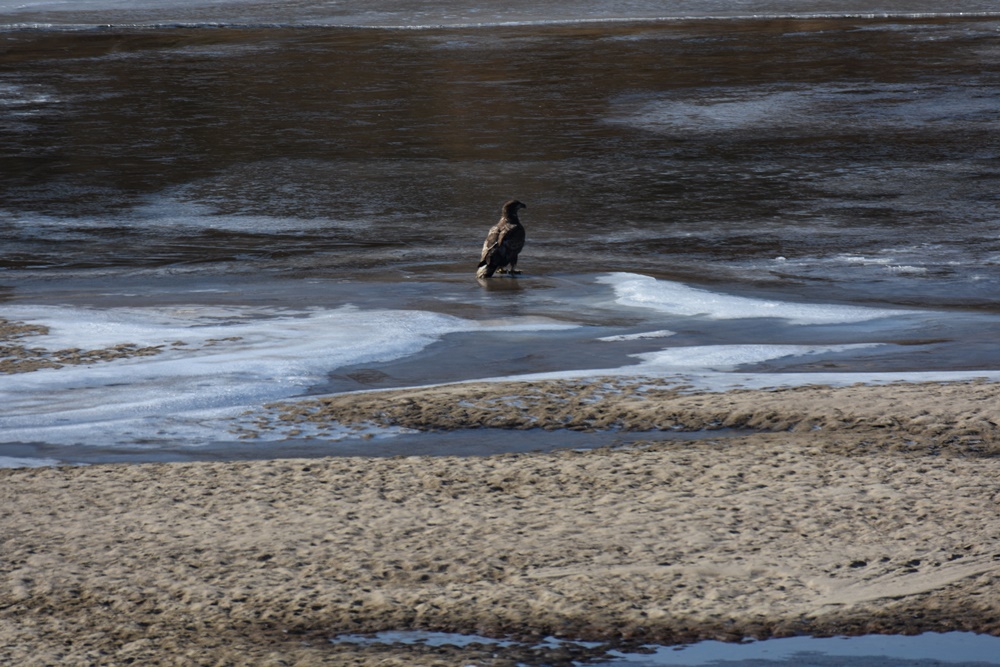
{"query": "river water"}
[(290, 198)]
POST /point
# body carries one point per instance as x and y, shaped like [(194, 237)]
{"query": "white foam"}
[(233, 359), (909, 270), (716, 368), (678, 299), (646, 335), (701, 358)]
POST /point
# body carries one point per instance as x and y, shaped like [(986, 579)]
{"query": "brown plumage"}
[(503, 243)]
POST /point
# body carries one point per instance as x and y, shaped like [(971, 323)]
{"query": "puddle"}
[(955, 649), (465, 442), (952, 648)]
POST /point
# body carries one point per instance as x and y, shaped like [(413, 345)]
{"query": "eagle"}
[(503, 243)]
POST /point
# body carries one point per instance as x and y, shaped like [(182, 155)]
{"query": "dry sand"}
[(876, 512)]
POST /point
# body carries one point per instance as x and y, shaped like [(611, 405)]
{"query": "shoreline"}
[(840, 530)]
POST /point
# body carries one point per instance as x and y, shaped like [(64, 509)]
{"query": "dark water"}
[(862, 151)]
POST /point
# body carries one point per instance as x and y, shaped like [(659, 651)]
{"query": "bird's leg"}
[(513, 269)]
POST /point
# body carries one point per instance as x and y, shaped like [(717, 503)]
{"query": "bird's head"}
[(512, 207)]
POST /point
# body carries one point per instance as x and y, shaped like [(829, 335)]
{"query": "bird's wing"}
[(493, 239), (513, 239)]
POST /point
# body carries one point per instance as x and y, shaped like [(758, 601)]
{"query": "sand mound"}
[(960, 415)]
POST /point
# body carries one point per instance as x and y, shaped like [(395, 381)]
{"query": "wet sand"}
[(875, 512), (17, 357)]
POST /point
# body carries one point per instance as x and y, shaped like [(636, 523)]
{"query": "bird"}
[(503, 242)]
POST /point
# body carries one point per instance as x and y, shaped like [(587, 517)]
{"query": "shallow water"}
[(960, 649), (477, 442), (782, 191), (221, 356)]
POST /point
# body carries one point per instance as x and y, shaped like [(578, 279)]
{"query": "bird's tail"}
[(484, 271)]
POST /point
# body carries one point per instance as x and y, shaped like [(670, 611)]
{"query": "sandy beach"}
[(872, 510)]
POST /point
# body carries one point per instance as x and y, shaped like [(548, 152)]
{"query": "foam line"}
[(678, 299), (701, 358)]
